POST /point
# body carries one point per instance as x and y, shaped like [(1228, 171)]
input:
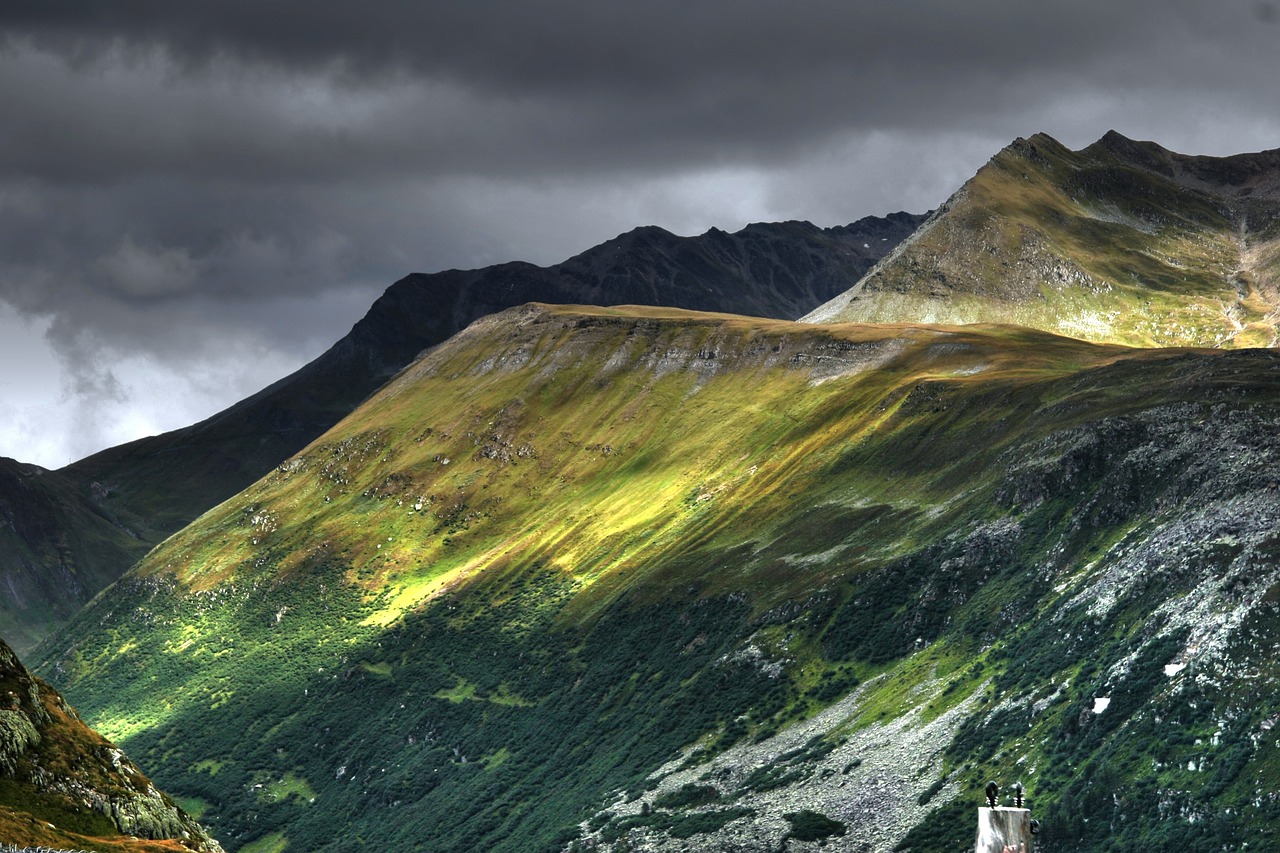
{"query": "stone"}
[(1003, 830)]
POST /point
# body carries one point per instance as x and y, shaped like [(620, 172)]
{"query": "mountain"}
[(649, 579), (64, 786), (1121, 242), (157, 485), (771, 270), (57, 548)]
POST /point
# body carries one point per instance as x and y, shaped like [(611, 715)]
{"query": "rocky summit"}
[(648, 579), (1121, 242)]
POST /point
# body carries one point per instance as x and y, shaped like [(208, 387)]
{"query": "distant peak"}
[(1146, 155), (1037, 145), (647, 231), (1113, 140), (1044, 139)]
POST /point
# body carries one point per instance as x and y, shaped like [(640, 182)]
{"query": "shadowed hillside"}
[(57, 548)]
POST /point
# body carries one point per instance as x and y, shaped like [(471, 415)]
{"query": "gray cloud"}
[(196, 197), (515, 87)]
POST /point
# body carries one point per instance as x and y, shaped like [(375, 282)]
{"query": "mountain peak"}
[(1123, 241), (1141, 153)]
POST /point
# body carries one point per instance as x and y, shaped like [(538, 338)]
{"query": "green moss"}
[(193, 806), (686, 795), (275, 842), (289, 786)]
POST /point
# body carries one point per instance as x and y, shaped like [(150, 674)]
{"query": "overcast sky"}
[(197, 198)]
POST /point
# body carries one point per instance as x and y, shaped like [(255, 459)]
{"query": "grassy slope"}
[(571, 543), (160, 483), (1099, 244)]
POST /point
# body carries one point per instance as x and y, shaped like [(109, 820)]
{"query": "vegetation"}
[(812, 826)]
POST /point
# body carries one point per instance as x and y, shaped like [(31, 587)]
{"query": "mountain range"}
[(651, 578)]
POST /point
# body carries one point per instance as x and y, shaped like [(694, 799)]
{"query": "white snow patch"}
[(1100, 703), (1172, 669)]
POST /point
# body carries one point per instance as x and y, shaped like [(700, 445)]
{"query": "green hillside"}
[(652, 579), (1121, 242), (160, 483)]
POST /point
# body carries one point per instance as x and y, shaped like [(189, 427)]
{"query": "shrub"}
[(687, 795), (809, 825)]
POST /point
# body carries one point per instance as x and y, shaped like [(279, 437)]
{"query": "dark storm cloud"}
[(218, 189), (516, 46), (514, 87)]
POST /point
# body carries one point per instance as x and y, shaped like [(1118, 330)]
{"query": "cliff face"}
[(63, 785)]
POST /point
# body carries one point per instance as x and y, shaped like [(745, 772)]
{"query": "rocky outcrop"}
[(48, 756)]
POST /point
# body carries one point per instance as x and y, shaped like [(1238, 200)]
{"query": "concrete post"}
[(1003, 830)]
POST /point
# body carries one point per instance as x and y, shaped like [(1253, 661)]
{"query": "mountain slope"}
[(64, 786), (56, 550), (1121, 242), (66, 535), (159, 484), (631, 577)]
